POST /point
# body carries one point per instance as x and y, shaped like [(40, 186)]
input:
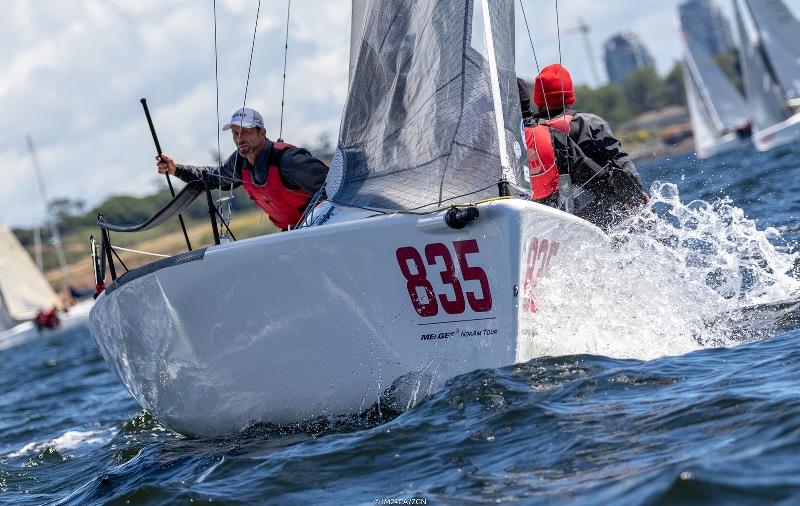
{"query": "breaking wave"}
[(675, 278)]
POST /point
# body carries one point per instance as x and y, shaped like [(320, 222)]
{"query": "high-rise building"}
[(703, 21), (625, 53)]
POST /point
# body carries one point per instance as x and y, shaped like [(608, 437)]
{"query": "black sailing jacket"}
[(612, 189)]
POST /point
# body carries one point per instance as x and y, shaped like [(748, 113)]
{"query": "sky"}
[(72, 73)]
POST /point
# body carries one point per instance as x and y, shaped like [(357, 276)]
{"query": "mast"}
[(37, 247), (508, 174), (55, 237)]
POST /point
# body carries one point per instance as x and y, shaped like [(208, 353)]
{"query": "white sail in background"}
[(23, 289), (724, 104), (704, 130), (764, 97), (779, 33)]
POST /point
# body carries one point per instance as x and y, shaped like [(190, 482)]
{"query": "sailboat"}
[(422, 263), (717, 110), (770, 59), (23, 289)]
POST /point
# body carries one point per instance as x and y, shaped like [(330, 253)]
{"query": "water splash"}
[(663, 282)]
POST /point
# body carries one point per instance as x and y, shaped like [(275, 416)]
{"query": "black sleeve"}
[(524, 99), (301, 170), (230, 176), (597, 141)]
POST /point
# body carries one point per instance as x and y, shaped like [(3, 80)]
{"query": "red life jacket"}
[(542, 156), (284, 206)]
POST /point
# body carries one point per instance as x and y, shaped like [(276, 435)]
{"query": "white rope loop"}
[(120, 248)]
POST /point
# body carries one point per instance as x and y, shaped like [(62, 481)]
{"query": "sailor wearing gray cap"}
[(278, 177), (245, 118)]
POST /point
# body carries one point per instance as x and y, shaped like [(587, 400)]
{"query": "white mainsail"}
[(23, 289), (764, 97), (429, 119), (779, 33), (724, 105)]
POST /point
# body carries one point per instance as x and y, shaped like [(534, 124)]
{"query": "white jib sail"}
[(724, 104), (705, 132), (23, 289)]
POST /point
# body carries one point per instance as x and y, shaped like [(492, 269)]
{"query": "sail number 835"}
[(413, 268)]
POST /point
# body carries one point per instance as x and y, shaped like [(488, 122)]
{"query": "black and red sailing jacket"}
[(583, 146), (283, 205)]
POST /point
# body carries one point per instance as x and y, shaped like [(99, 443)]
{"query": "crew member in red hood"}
[(584, 147)]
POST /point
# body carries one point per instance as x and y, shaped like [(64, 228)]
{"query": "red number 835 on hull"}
[(417, 282)]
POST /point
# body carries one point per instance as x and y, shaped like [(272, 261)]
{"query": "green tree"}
[(607, 101), (644, 90), (674, 92), (66, 213)]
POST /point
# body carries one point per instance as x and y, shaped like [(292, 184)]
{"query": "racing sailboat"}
[(770, 58), (23, 289), (717, 110), (422, 263)]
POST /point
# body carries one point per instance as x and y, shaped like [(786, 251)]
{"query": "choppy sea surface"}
[(712, 415)]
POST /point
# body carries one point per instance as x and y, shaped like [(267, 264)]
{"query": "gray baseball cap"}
[(245, 118)]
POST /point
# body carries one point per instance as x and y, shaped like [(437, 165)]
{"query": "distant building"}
[(703, 21), (625, 53)]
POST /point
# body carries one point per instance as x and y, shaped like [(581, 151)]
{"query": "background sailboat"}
[(770, 58), (718, 111), (23, 289)]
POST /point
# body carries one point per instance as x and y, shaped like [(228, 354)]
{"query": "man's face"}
[(249, 141)]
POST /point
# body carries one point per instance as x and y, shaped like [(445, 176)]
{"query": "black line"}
[(459, 321)]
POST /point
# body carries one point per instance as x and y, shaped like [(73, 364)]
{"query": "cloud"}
[(78, 69)]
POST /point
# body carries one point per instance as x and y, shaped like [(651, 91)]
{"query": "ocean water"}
[(705, 408)]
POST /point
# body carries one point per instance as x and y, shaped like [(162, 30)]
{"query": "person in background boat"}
[(47, 319), (576, 162), (280, 178)]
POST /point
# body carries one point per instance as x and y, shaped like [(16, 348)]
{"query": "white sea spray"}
[(660, 286)]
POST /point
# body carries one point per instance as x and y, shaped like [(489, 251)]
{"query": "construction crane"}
[(584, 30)]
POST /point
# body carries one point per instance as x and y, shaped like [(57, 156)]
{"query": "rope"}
[(137, 251), (116, 255), (308, 213), (244, 104), (561, 76), (285, 54), (530, 37), (252, 49), (216, 82), (561, 72)]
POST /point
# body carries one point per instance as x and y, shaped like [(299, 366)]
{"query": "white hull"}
[(320, 321), (725, 144), (785, 132)]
